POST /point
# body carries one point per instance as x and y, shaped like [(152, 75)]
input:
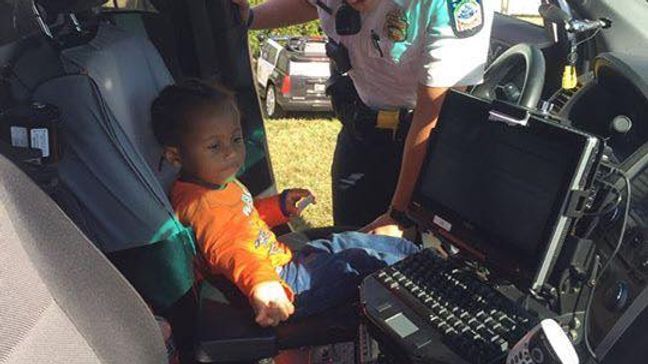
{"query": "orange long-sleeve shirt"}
[(232, 232)]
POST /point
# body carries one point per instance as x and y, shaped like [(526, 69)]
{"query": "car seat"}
[(111, 165), (111, 157)]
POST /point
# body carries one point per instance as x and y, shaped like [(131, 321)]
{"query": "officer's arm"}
[(278, 13), (428, 106)]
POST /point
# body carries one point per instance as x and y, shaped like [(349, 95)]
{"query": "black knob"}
[(616, 297), (621, 124)]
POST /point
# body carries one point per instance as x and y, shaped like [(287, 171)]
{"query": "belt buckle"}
[(388, 119)]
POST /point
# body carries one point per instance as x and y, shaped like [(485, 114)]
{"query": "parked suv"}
[(292, 74)]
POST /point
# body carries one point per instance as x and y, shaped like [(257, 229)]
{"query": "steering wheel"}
[(516, 76)]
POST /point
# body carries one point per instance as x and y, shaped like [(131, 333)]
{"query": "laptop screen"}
[(496, 188)]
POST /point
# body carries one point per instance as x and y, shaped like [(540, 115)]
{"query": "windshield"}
[(318, 48), (633, 11)]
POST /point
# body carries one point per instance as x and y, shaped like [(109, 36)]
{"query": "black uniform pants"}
[(367, 160), (364, 173)]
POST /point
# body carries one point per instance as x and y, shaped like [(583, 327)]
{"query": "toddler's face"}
[(213, 149)]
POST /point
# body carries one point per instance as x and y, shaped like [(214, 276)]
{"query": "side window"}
[(264, 51), (282, 62), (272, 54), (526, 10)]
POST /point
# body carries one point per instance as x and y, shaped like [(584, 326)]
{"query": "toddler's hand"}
[(270, 303), (293, 196)]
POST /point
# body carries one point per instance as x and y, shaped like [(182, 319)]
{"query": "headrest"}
[(68, 6)]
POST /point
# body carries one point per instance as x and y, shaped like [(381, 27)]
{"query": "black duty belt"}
[(362, 121)]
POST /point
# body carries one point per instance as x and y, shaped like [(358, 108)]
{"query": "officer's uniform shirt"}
[(428, 42)]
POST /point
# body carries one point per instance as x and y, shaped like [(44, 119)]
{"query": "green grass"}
[(301, 151)]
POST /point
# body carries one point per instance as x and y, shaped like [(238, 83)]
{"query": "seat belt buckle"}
[(388, 119)]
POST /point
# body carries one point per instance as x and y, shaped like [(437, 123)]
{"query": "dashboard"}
[(615, 104)]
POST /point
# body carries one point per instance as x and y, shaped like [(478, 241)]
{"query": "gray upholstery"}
[(111, 159), (123, 204), (61, 301), (129, 74)]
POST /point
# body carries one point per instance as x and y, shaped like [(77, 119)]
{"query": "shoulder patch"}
[(466, 17), (396, 25)]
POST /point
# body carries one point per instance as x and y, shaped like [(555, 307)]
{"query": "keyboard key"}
[(474, 323)]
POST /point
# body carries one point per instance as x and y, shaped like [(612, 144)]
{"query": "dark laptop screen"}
[(498, 188)]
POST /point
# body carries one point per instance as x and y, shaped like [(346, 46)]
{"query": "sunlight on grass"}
[(301, 151)]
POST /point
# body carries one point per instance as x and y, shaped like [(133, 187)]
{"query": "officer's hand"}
[(270, 303), (384, 225), (295, 200), (244, 8)]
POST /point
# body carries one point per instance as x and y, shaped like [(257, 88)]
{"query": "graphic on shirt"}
[(467, 17), (274, 249), (262, 239), (396, 25), (248, 203), (265, 239)]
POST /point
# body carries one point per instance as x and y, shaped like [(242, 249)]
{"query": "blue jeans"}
[(327, 273)]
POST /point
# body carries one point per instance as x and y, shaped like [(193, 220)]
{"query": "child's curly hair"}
[(178, 105)]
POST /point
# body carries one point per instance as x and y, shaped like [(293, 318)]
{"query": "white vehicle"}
[(291, 74)]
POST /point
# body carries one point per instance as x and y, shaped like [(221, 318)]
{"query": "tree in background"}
[(310, 28)]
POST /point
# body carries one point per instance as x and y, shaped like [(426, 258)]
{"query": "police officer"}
[(394, 61)]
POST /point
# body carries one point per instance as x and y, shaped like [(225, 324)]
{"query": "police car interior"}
[(535, 184)]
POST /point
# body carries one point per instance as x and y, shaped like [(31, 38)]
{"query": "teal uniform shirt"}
[(404, 43)]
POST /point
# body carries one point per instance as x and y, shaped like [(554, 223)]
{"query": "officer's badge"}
[(467, 17), (396, 25)]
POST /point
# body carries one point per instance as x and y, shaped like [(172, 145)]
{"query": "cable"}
[(588, 38), (617, 202), (623, 226), (607, 263), (588, 306)]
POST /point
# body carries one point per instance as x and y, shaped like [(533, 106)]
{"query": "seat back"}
[(129, 73), (112, 156), (61, 300), (110, 160)]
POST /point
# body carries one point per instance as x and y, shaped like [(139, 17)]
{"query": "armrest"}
[(339, 324), (227, 334), (227, 330)]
